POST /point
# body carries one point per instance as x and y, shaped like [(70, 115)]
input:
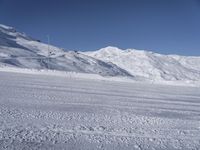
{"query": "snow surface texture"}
[(40, 111), (19, 50)]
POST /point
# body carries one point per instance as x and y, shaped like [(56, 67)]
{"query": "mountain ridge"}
[(19, 50), (151, 65)]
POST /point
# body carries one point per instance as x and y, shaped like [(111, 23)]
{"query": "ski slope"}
[(21, 51), (41, 111)]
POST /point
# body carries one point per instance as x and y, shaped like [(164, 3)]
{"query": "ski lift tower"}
[(48, 52)]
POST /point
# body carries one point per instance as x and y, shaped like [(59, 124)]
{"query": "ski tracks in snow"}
[(47, 112)]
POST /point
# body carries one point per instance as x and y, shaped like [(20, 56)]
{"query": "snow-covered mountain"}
[(151, 65), (19, 50)]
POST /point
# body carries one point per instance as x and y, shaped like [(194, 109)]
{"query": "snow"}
[(5, 27), (151, 65), (19, 50), (106, 99), (90, 76), (51, 111), (4, 55)]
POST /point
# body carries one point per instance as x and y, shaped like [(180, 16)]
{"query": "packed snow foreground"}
[(107, 99), (41, 111)]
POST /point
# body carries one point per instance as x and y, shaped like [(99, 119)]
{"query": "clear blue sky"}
[(164, 26)]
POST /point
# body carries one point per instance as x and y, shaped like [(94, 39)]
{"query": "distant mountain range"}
[(19, 50)]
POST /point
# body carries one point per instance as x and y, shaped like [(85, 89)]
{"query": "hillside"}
[(19, 50), (22, 51), (151, 65)]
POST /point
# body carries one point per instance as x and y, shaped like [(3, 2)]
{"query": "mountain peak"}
[(110, 50), (110, 47)]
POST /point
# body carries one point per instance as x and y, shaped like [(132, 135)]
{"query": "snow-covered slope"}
[(151, 65), (43, 112), (19, 50)]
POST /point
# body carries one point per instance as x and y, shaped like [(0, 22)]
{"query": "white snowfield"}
[(42, 111)]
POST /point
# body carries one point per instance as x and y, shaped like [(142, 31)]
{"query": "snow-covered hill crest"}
[(151, 65)]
